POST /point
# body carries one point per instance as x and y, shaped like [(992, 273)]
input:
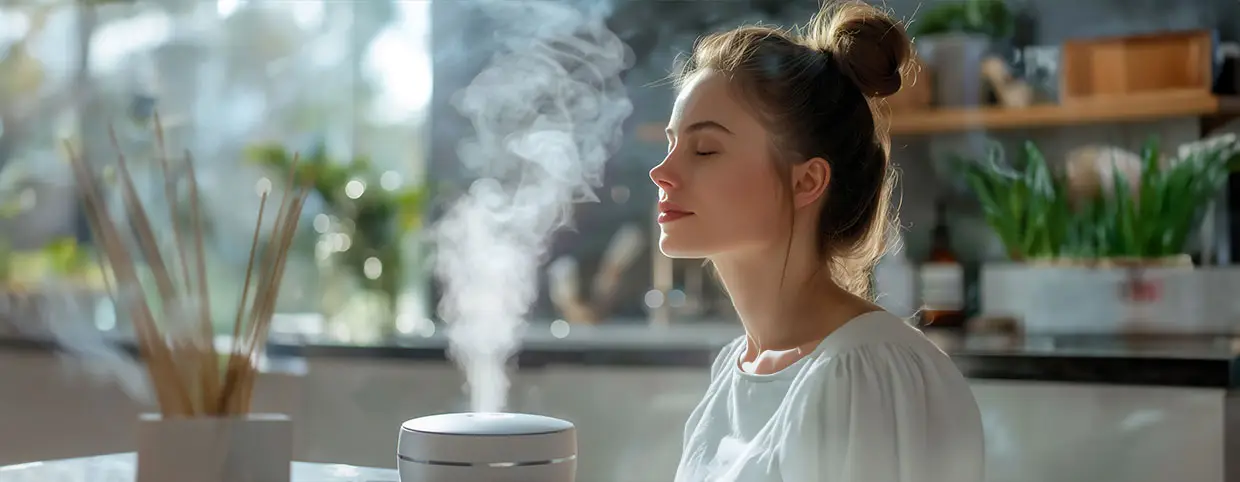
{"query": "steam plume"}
[(547, 113), (83, 346)]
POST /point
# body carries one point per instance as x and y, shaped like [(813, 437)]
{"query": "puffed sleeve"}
[(891, 413)]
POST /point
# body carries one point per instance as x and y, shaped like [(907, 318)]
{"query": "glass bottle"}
[(941, 278)]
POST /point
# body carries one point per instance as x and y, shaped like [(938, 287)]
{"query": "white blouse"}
[(875, 402)]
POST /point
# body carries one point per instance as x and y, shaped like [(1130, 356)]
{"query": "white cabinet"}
[(1075, 432)]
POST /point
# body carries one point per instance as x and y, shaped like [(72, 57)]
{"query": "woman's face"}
[(718, 190)]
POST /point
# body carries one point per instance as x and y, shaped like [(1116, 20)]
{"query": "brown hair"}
[(817, 91)]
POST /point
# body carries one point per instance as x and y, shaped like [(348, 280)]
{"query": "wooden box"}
[(1134, 65)]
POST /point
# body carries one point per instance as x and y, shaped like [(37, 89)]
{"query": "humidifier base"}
[(429, 471), (487, 447)]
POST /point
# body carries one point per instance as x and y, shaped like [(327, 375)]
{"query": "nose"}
[(664, 175)]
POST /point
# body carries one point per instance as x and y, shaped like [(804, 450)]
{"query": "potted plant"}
[(953, 38), (1101, 238)]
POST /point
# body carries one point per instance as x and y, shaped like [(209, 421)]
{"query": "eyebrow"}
[(701, 126)]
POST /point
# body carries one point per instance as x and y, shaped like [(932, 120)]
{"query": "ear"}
[(809, 181)]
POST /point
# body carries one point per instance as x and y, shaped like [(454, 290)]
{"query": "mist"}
[(547, 113), (85, 348)]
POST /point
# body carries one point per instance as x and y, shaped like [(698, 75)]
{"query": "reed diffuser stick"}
[(174, 330), (125, 274)]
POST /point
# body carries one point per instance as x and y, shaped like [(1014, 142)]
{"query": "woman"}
[(778, 173)]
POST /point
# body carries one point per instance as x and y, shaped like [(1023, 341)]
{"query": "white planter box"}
[(1063, 299), (254, 448)]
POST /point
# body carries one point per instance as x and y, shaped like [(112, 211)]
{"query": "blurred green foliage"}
[(991, 18), (1031, 211), (377, 221)]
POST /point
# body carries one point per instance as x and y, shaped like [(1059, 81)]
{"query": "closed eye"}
[(707, 153)]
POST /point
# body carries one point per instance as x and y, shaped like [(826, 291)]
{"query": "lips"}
[(669, 212)]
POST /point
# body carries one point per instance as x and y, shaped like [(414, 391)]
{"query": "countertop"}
[(122, 468), (1173, 360), (1167, 360)]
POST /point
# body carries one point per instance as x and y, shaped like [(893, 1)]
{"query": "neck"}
[(779, 294)]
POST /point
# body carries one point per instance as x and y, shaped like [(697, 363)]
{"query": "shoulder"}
[(882, 402), (880, 348), (877, 332), (881, 371)]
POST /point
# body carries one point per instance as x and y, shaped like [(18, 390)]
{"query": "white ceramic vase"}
[(251, 448), (956, 60)]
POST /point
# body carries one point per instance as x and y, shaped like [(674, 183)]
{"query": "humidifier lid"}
[(487, 424), (508, 439)]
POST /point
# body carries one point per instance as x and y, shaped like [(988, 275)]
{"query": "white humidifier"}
[(487, 447)]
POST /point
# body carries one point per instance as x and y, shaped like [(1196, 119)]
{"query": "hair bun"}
[(869, 46)]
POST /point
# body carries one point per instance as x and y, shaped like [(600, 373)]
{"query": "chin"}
[(682, 248)]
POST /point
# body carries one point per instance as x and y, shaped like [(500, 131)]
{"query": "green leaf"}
[(1126, 221)]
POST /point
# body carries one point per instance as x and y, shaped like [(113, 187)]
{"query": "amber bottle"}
[(941, 278)]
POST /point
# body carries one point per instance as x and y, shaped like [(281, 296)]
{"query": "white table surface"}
[(120, 468)]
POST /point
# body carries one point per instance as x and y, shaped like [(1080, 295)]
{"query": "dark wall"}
[(659, 30)]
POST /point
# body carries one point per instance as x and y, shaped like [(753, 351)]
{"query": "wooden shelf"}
[(1112, 110)]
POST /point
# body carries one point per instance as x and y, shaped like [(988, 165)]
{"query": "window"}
[(348, 80)]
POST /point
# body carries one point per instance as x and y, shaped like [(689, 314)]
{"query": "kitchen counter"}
[(1185, 361), (122, 467)]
